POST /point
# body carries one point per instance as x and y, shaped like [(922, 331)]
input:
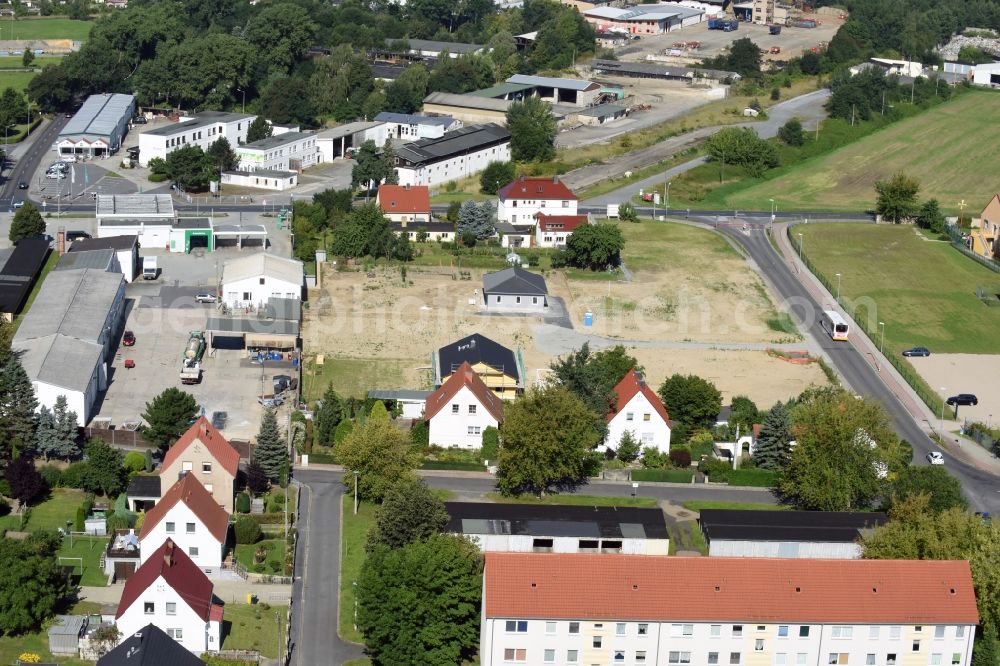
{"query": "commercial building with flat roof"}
[(261, 180), (411, 126), (469, 108), (455, 155), (290, 151), (339, 141), (430, 48), (200, 130), (576, 92), (98, 127)]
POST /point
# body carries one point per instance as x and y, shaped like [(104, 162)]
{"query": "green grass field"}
[(50, 514), (352, 556), (351, 376), (48, 27), (651, 246), (14, 62), (275, 553), (948, 148), (89, 550), (18, 80), (923, 290), (253, 628), (698, 505)]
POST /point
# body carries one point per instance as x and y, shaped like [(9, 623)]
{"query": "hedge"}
[(667, 475), (760, 478), (322, 458), (271, 518), (453, 465)]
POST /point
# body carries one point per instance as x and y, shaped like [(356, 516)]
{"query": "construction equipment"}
[(191, 365)]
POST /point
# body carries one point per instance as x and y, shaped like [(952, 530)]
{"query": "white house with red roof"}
[(171, 592), (556, 608), (188, 515), (461, 409), (640, 411), (405, 203), (553, 230), (522, 199), (203, 452)]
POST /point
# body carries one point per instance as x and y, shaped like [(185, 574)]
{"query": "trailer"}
[(195, 346)]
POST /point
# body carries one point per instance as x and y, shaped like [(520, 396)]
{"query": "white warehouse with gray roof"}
[(66, 338), (98, 127)]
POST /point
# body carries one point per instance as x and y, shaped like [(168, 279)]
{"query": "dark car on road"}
[(128, 339), (22, 185), (963, 399), (917, 351)]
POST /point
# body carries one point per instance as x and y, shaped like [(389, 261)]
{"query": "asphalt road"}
[(981, 487), (26, 164), (317, 562)]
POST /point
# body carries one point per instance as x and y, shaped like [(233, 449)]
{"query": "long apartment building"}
[(599, 610)]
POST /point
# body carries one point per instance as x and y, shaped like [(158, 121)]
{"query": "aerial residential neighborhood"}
[(543, 332)]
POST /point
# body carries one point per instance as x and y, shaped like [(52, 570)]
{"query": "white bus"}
[(834, 325)]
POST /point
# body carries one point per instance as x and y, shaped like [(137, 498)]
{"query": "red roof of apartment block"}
[(404, 199)]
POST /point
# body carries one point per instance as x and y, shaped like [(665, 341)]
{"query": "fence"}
[(118, 437), (905, 370), (958, 242), (983, 435)]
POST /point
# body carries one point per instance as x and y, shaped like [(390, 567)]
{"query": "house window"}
[(187, 466), (629, 416), (193, 551), (148, 608), (171, 608), (890, 659), (474, 430), (619, 656), (246, 295), (959, 632), (643, 629), (916, 646), (620, 629), (734, 658), (646, 417), (534, 300), (515, 654), (544, 546), (715, 630), (837, 658), (680, 658), (261, 280), (713, 658), (170, 528), (681, 629), (597, 641), (176, 634), (918, 628), (517, 626), (517, 299), (574, 627), (956, 659), (870, 659), (472, 409), (550, 627), (206, 468), (498, 299), (873, 632), (210, 487), (895, 632), (804, 631), (783, 631), (572, 656), (550, 656), (843, 632), (939, 632), (758, 645), (640, 657), (454, 409), (737, 630), (936, 659), (189, 528), (779, 659), (800, 658)]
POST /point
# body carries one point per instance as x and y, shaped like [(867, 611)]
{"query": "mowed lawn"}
[(18, 80), (45, 28), (950, 149), (923, 290), (654, 246)]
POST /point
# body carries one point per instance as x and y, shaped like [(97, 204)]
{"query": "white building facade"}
[(455, 155), (201, 130), (290, 151), (189, 516), (524, 198), (251, 280), (987, 75), (640, 412), (460, 410)]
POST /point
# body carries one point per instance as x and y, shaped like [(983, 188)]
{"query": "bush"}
[(275, 502), (715, 469), (157, 177), (663, 475), (72, 476), (758, 478), (491, 444), (134, 463), (51, 474), (247, 530), (344, 429), (680, 456), (420, 435), (117, 521), (242, 503), (80, 523), (653, 458)]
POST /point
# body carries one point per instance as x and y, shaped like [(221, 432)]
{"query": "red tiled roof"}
[(404, 199), (197, 498), (537, 188), (705, 589), (204, 432), (179, 572), (630, 385), (559, 222), (464, 376)]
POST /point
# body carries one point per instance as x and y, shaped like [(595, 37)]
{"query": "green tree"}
[(287, 101), (742, 147), (58, 431), (745, 58), (410, 512), (477, 218), (743, 413), (270, 451), (259, 129), (772, 450), (593, 376), (27, 58), (32, 583), (532, 130), (222, 155), (628, 448), (378, 411), (491, 444), (380, 453), (281, 32), (845, 449), (27, 223), (595, 246), (691, 401), (190, 168), (13, 107), (791, 133), (930, 217), (810, 63), (168, 415), (134, 463), (495, 176), (943, 489), (26, 484), (897, 197), (537, 458), (970, 55), (17, 404), (105, 471), (420, 604), (627, 212), (986, 650), (370, 168), (328, 416)]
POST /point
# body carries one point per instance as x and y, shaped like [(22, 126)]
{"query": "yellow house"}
[(986, 232), (499, 368), (203, 452)]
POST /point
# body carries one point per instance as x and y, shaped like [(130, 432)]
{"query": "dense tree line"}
[(224, 54)]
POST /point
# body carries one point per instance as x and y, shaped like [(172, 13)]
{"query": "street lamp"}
[(838, 287), (244, 99), (666, 200), (356, 473), (881, 344), (800, 247)]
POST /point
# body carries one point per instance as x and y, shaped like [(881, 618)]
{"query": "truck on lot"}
[(191, 365), (774, 29), (726, 25), (190, 372), (149, 270), (270, 400)]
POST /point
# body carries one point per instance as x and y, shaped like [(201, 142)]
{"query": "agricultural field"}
[(45, 28), (924, 290), (948, 148)]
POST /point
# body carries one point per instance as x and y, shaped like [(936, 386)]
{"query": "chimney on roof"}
[(639, 378), (204, 428), (168, 553), (555, 179)]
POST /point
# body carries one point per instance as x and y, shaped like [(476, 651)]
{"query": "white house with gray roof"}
[(256, 278), (455, 155), (98, 127), (411, 126), (200, 130), (289, 151), (66, 337), (515, 290)]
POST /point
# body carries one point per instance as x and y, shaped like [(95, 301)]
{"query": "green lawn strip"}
[(16, 79), (352, 556), (364, 661), (651, 246), (698, 505), (45, 28), (11, 647), (15, 62), (614, 183), (251, 627), (575, 500), (695, 538), (50, 514), (275, 553), (353, 376), (88, 550)]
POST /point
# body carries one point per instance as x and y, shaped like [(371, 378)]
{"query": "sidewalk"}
[(962, 448), (228, 591)]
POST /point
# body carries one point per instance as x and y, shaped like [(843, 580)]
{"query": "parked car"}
[(139, 120), (76, 234), (205, 297), (917, 351), (21, 185), (219, 420), (935, 458), (18, 204), (963, 399), (128, 339)]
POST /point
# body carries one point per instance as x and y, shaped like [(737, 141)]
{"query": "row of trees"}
[(896, 202), (192, 168)]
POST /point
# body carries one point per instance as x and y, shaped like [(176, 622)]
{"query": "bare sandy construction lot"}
[(979, 374)]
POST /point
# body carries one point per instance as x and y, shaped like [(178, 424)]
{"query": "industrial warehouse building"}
[(643, 19), (469, 108), (65, 339), (19, 268), (252, 280), (410, 126), (290, 151), (200, 130), (98, 128), (795, 534), (455, 155), (649, 70), (576, 92), (338, 141)]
